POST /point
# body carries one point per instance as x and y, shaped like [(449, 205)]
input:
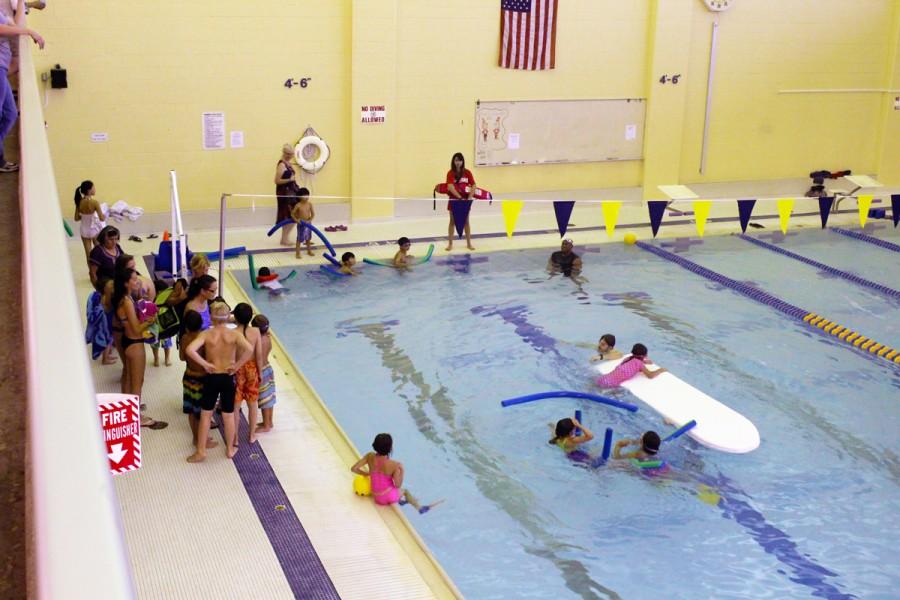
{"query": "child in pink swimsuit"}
[(387, 475), (629, 367)]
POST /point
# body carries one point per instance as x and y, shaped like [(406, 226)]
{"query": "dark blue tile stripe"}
[(301, 565)]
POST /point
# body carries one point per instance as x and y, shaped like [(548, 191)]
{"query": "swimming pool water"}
[(428, 356)]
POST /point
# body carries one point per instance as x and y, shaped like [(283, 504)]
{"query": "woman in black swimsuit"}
[(286, 189), (134, 355)]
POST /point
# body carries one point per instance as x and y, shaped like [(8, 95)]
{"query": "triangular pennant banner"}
[(863, 203), (745, 209), (610, 215), (895, 208), (657, 210), (563, 210), (701, 213), (511, 210), (460, 210), (825, 205), (785, 207)]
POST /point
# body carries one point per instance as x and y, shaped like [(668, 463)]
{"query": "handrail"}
[(78, 546)]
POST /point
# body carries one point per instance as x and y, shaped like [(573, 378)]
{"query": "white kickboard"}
[(718, 427)]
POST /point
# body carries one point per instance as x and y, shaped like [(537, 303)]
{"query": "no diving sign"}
[(120, 417)]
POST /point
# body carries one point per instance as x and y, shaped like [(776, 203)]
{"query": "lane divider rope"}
[(823, 267), (856, 235), (817, 322)]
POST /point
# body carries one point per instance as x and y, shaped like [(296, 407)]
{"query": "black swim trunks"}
[(218, 386)]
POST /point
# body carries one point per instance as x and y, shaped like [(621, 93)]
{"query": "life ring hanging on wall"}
[(300, 153)]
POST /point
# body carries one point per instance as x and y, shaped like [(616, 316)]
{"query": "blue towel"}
[(98, 332)]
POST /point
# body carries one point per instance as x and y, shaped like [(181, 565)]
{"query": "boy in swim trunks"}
[(348, 259), (303, 211), (266, 375), (387, 475), (247, 377), (226, 351), (402, 258), (606, 348), (192, 380)]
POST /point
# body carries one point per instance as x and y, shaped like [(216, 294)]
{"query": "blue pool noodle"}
[(332, 260), (229, 253), (681, 431), (333, 271), (312, 227), (578, 418), (607, 444), (567, 394)]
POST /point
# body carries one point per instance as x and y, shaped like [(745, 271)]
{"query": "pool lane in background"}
[(720, 490), (845, 335)]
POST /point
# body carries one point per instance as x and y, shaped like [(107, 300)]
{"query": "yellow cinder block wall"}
[(144, 73)]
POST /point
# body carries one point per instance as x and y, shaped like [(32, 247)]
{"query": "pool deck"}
[(205, 530)]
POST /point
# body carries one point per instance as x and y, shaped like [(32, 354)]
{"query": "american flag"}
[(528, 34)]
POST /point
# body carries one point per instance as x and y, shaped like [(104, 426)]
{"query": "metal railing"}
[(78, 546)]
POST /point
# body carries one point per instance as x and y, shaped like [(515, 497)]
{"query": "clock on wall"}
[(718, 5)]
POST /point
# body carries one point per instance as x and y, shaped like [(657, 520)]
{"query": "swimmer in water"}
[(564, 435), (648, 447), (606, 348), (632, 365)]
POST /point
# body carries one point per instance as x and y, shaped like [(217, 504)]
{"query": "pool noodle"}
[(67, 228), (389, 263), (681, 430), (567, 394), (578, 418), (333, 271), (312, 227), (229, 253), (332, 260), (252, 272), (607, 444)]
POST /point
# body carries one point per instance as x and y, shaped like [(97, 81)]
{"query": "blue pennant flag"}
[(657, 209), (745, 209), (563, 210), (460, 210), (825, 205)]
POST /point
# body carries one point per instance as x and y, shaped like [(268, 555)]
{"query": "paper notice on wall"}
[(213, 131), (372, 113), (99, 138), (237, 139), (631, 132), (513, 141)]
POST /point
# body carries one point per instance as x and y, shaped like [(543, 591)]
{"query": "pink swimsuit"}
[(383, 489), (621, 373)]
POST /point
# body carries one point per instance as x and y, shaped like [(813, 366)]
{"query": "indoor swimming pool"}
[(428, 355)]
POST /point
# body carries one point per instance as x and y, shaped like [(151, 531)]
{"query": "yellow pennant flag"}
[(785, 206), (511, 210), (610, 215), (863, 202), (701, 213)]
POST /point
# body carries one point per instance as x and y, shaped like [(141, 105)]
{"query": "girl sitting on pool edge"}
[(628, 368), (387, 475)]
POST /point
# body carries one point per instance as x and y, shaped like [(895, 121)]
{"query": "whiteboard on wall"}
[(528, 132)]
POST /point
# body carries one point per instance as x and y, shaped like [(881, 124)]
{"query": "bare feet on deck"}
[(211, 443), (230, 453), (310, 252), (196, 457), (110, 361), (262, 429), (470, 247)]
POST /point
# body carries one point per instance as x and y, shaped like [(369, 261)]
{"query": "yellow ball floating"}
[(362, 485), (630, 238)]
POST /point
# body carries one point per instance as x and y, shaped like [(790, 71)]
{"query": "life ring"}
[(324, 153)]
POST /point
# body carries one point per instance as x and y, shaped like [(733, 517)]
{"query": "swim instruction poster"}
[(213, 131)]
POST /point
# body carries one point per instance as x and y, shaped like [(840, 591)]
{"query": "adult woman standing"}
[(460, 186), (102, 259), (201, 292), (88, 213), (287, 190), (134, 356)]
